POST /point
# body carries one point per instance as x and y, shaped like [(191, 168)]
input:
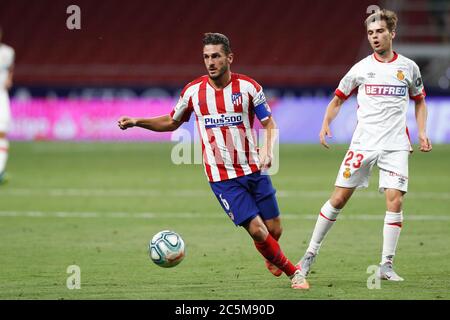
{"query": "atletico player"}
[(224, 104), (385, 81)]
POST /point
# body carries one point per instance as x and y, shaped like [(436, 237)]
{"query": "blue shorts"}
[(245, 197)]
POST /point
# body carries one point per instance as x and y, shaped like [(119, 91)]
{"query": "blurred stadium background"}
[(133, 57)]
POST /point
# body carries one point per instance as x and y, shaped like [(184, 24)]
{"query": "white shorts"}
[(357, 166), (5, 114)]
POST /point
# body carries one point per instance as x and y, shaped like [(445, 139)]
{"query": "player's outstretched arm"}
[(421, 118), (159, 124), (332, 111)]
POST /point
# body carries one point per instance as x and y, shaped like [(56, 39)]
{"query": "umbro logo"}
[(371, 75)]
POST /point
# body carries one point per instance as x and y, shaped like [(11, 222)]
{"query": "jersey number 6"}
[(224, 202)]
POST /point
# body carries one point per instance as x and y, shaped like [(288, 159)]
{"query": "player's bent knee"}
[(340, 197), (259, 234), (276, 232), (257, 229), (338, 201), (274, 227)]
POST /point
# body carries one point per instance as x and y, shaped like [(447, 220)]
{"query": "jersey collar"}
[(392, 60), (232, 77)]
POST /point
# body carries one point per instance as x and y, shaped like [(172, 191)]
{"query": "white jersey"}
[(383, 96), (6, 62)]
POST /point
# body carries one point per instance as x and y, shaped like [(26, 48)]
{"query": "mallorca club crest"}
[(400, 75), (236, 98), (347, 173)]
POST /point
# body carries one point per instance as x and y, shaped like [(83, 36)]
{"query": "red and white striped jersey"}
[(225, 123)]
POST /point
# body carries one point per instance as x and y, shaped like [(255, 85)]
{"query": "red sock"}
[(271, 250), (276, 237)]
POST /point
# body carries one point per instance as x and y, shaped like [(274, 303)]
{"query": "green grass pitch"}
[(96, 205)]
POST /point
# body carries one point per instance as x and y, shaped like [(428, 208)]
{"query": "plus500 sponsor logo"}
[(221, 120), (385, 90)]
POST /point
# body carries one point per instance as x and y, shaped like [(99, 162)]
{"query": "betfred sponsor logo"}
[(223, 120), (385, 90)]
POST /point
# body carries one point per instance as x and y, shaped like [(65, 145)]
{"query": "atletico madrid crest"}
[(236, 98)]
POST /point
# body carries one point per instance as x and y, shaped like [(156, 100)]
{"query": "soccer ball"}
[(166, 249)]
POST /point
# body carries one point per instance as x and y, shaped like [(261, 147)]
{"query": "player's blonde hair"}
[(386, 15)]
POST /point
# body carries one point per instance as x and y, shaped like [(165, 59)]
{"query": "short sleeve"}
[(416, 88), (348, 84), (260, 105), (183, 109)]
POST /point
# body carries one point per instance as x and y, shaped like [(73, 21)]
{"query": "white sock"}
[(325, 221), (4, 146), (391, 233)]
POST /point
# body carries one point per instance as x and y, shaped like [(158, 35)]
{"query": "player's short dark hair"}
[(387, 15), (217, 38)]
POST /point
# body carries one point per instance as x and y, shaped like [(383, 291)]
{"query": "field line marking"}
[(99, 192), (213, 215)]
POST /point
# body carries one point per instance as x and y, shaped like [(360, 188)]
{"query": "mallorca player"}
[(6, 76), (384, 81), (224, 105)]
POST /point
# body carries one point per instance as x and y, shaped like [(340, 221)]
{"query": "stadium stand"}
[(424, 35), (141, 42)]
